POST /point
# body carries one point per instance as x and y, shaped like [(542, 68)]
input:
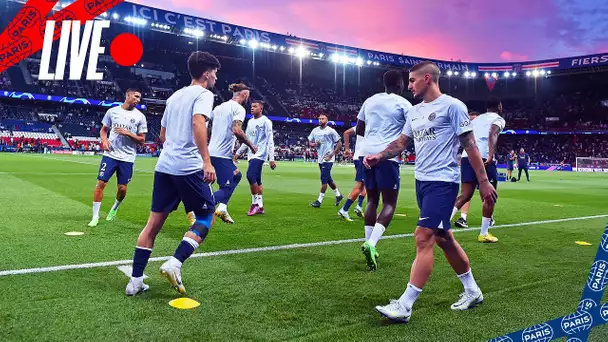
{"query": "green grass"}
[(535, 273)]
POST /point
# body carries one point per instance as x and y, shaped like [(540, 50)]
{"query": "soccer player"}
[(510, 164), (227, 127), (259, 131), (523, 160), (127, 127), (437, 124), (183, 173), (328, 144), (486, 128), (359, 188), (381, 121)]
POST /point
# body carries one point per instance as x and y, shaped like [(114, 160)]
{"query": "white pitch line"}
[(269, 248), (86, 163)]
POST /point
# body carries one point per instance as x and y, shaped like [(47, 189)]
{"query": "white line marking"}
[(94, 164), (270, 248)]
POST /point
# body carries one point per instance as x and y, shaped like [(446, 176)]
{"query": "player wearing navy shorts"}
[(381, 121), (358, 190), (127, 127), (227, 126), (486, 128), (436, 125), (327, 142), (259, 131), (183, 173)]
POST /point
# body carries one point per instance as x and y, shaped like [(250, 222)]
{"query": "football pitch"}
[(310, 283)]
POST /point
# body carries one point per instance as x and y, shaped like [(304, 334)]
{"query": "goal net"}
[(590, 164)]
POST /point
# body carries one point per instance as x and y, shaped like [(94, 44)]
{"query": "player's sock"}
[(185, 249), (96, 207), (368, 232), (254, 199), (116, 204), (222, 207), (408, 298), (347, 204), (454, 211), (376, 234), (321, 197), (337, 192), (470, 286), (464, 216), (485, 225), (140, 260), (360, 201), (260, 201)]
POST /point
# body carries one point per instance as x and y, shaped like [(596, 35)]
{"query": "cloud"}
[(509, 56)]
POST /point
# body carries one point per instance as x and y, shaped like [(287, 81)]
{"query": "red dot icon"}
[(126, 49)]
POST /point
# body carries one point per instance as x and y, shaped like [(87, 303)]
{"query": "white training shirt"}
[(180, 155), (384, 116), (359, 143), (260, 133), (435, 127), (481, 128), (222, 137), (124, 148), (328, 137)]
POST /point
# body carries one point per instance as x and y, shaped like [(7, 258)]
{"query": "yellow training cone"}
[(184, 303), (582, 243)]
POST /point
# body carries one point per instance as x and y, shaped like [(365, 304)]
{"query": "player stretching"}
[(436, 125), (328, 144), (128, 128), (227, 127), (380, 121), (359, 188), (486, 128), (183, 173), (259, 131)]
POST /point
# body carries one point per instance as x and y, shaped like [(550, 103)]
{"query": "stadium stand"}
[(298, 88)]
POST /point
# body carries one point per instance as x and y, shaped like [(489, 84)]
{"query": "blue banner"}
[(62, 99), (237, 33)]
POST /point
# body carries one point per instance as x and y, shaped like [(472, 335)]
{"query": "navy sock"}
[(140, 260), (185, 249), (347, 205), (361, 198)]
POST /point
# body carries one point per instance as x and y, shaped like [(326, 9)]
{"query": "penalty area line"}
[(272, 248)]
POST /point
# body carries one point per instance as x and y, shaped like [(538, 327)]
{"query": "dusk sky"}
[(470, 30)]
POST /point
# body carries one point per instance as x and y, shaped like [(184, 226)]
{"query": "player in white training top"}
[(358, 190), (127, 127), (226, 128), (259, 131), (380, 121), (328, 144), (486, 128), (436, 125), (183, 173)]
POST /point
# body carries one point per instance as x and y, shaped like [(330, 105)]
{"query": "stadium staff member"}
[(523, 160)]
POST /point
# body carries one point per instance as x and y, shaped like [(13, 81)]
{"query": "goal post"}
[(591, 164)]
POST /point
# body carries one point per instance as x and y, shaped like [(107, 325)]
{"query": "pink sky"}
[(470, 30)]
